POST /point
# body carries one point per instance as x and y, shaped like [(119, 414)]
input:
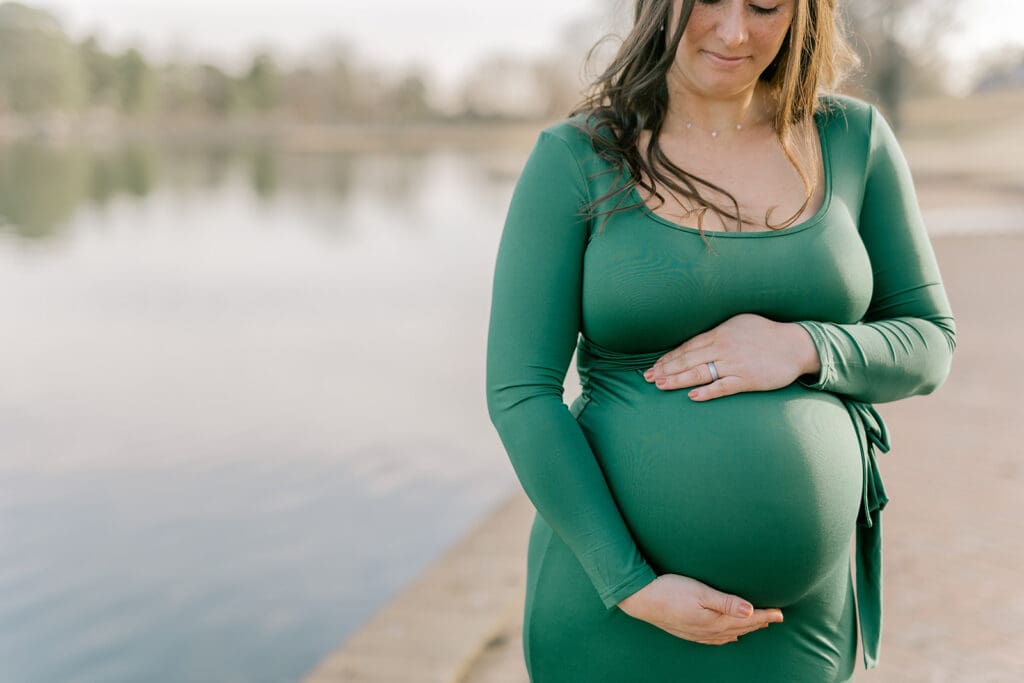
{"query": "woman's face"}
[(728, 43)]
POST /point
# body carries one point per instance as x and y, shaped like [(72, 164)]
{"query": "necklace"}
[(714, 133)]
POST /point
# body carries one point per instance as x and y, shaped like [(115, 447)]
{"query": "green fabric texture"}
[(757, 493)]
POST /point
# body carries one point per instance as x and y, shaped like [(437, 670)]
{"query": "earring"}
[(662, 28)]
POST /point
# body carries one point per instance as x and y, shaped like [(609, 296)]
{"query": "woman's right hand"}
[(695, 611)]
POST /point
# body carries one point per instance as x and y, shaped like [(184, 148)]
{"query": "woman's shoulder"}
[(576, 132), (850, 111)]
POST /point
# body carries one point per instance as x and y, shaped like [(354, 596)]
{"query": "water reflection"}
[(219, 454), (263, 176), (41, 186)]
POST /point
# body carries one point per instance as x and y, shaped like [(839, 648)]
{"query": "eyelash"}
[(756, 8)]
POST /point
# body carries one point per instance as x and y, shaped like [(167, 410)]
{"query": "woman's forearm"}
[(883, 360)]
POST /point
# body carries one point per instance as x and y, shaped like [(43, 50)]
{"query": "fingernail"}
[(746, 610)]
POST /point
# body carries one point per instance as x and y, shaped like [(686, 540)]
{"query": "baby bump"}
[(755, 493)]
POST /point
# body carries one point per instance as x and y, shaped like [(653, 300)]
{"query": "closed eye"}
[(757, 9)]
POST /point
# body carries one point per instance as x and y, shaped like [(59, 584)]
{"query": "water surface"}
[(242, 400)]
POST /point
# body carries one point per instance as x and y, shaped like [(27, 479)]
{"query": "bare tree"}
[(899, 43)]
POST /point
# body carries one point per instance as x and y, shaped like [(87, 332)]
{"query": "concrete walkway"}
[(434, 630), (954, 528)]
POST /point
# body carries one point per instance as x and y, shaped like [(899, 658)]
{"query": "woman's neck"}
[(688, 110)]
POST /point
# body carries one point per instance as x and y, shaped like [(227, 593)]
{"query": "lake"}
[(242, 400)]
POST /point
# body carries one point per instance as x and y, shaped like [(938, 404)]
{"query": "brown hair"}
[(632, 95)]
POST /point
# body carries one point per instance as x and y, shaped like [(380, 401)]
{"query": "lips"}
[(723, 60)]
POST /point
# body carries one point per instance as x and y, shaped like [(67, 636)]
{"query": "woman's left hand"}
[(751, 353)]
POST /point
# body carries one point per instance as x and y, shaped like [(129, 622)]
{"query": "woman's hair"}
[(632, 95)]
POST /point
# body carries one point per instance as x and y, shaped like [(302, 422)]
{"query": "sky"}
[(446, 36)]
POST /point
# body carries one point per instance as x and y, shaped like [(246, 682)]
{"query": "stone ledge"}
[(435, 629)]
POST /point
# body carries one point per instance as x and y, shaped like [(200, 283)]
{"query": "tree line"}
[(43, 70)]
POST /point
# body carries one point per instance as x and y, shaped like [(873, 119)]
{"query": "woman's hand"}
[(751, 353), (692, 610)]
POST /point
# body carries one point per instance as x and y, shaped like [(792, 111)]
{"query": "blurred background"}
[(245, 261)]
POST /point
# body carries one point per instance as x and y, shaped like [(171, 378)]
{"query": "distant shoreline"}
[(301, 137), (955, 121)]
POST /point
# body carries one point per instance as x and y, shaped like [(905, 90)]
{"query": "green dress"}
[(756, 494)]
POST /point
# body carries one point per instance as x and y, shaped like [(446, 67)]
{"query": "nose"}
[(732, 27)]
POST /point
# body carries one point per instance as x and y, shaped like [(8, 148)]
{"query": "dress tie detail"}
[(871, 434)]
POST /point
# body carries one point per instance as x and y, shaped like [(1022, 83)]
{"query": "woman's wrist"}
[(633, 603), (808, 361)]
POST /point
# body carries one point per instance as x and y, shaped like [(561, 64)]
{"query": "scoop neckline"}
[(826, 203)]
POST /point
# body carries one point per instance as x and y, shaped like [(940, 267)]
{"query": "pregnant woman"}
[(738, 259)]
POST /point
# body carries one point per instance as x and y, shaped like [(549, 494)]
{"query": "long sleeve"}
[(534, 326), (904, 344)]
